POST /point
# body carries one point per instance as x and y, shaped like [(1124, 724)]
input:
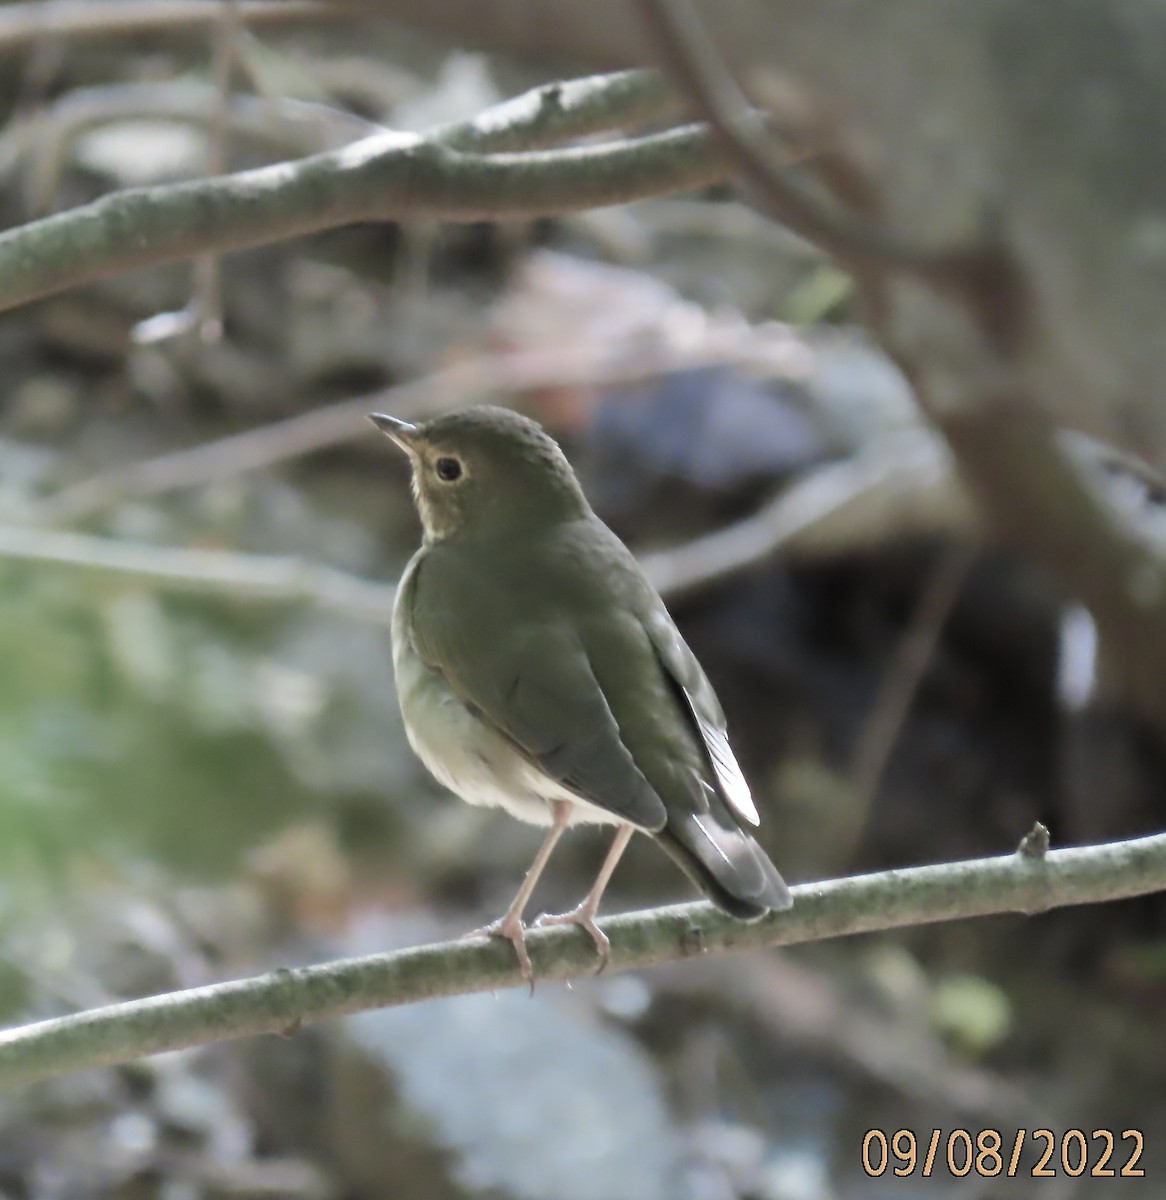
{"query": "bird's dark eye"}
[(448, 469)]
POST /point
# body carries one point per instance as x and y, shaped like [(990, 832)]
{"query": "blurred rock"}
[(501, 1097), (726, 1156), (43, 405), (855, 385), (712, 431), (22, 469), (793, 1175), (138, 153)]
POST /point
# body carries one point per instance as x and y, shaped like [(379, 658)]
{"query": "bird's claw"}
[(512, 930), (585, 919)]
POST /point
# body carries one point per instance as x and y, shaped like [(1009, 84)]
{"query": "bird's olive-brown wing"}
[(702, 705), (527, 677)]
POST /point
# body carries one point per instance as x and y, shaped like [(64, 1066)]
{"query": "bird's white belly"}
[(469, 757)]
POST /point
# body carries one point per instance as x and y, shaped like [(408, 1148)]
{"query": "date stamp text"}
[(1096, 1153)]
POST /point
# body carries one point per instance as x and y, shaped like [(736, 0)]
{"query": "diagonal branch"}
[(693, 61), (283, 1000), (386, 177), (543, 116), (510, 371), (1038, 500), (557, 112)]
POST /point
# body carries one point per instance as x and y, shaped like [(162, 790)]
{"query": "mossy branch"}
[(281, 1001)]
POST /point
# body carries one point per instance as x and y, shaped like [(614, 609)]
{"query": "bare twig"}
[(881, 494), (804, 1007), (21, 25), (900, 484), (693, 61), (205, 572), (204, 311), (288, 998), (914, 652), (265, 446), (294, 437), (905, 484), (43, 138), (208, 293)]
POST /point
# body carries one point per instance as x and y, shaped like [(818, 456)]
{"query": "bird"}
[(538, 671)]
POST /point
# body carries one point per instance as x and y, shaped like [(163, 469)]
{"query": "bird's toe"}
[(585, 919), (512, 930)]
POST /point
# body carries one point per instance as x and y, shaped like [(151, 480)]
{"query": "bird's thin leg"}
[(584, 914), (509, 925)]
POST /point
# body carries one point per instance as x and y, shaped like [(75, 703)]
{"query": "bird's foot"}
[(511, 928), (584, 917)]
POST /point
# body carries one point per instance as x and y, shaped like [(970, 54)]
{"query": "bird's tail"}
[(728, 866)]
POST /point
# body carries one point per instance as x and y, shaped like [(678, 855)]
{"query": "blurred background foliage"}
[(193, 787)]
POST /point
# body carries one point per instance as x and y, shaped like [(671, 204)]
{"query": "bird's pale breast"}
[(464, 753)]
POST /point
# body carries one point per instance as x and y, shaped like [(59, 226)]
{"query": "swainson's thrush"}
[(539, 671)]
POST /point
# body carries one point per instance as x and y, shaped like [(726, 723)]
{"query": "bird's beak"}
[(402, 432)]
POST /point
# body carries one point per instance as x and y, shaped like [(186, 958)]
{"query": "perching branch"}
[(283, 1000)]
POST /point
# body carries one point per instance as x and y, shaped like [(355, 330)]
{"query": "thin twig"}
[(221, 573), (321, 428), (807, 1010), (286, 999), (693, 61), (266, 446), (204, 311), (44, 138), (23, 24), (895, 486), (882, 494), (208, 290), (893, 702)]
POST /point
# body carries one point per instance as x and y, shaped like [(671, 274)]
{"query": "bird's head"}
[(485, 472)]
